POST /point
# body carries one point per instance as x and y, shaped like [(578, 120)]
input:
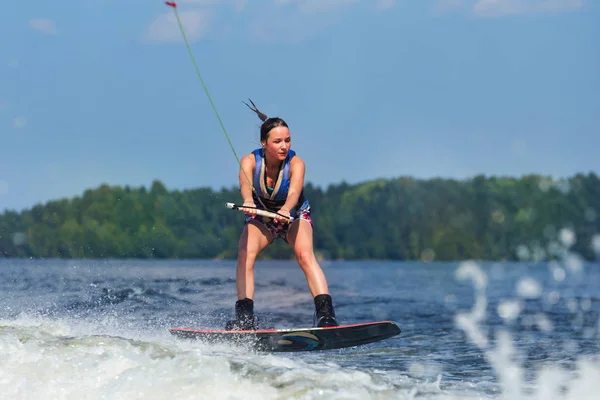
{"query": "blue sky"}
[(103, 91)]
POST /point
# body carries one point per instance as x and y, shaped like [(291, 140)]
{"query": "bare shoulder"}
[(248, 160), (297, 168), (297, 162)]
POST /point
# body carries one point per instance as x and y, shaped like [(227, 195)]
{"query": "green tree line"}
[(483, 218)]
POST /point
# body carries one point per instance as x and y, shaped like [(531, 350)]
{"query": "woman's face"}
[(278, 143)]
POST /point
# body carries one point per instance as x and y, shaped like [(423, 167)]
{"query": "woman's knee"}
[(306, 258), (247, 253), (252, 241)]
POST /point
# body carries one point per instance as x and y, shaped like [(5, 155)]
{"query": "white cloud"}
[(445, 5), (293, 21), (316, 6), (43, 25), (282, 21), (385, 4), (501, 8), (284, 29), (238, 5), (201, 2), (319, 6), (165, 28), (19, 122)]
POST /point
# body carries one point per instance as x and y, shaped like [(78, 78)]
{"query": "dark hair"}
[(268, 123)]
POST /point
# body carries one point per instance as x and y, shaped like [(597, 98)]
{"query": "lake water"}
[(97, 329)]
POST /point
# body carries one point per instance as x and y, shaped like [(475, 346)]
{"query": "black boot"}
[(324, 313), (244, 316)]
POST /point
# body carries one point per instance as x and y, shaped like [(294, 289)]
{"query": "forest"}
[(482, 218)]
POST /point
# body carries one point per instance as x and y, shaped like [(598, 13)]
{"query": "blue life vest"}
[(274, 198)]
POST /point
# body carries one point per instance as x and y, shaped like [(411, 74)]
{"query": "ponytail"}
[(262, 116)]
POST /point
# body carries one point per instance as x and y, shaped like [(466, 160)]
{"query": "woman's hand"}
[(251, 210), (284, 215)]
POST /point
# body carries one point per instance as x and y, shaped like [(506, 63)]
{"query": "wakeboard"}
[(300, 339)]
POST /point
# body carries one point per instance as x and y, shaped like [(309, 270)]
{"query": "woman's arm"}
[(297, 169), (248, 163)]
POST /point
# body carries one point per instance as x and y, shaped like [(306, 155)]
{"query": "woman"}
[(277, 176)]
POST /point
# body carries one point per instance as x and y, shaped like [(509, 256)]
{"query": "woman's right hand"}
[(252, 208)]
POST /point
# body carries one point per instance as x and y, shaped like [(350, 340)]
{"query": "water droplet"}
[(574, 263), (545, 185), (567, 237), (523, 252), (543, 322), (553, 297), (417, 370), (427, 255), (572, 305), (498, 216), (509, 310), (559, 274), (586, 304), (529, 288), (450, 299), (471, 270)]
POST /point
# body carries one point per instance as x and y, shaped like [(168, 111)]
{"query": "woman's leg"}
[(254, 239), (300, 237)]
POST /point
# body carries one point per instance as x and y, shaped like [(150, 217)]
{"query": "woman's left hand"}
[(284, 215)]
